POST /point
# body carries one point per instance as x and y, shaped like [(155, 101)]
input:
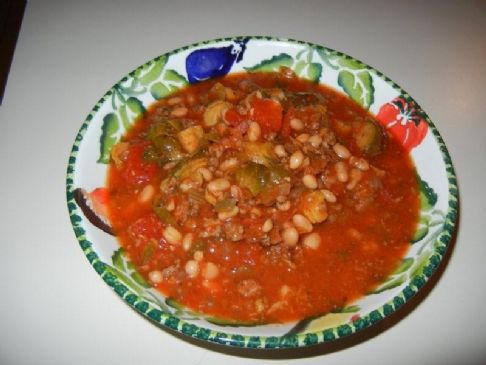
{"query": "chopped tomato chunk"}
[(138, 170), (267, 113)]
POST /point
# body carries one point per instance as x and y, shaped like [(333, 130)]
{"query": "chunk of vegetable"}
[(189, 169), (169, 148), (190, 138), (218, 91), (225, 205), (277, 173), (269, 195), (267, 113), (163, 214), (119, 153), (314, 207), (260, 153), (253, 176), (369, 137), (137, 170), (214, 113), (168, 127), (233, 118)]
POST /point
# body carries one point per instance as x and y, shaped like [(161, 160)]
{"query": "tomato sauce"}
[(211, 249)]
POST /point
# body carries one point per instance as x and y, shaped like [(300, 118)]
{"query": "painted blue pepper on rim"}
[(206, 63)]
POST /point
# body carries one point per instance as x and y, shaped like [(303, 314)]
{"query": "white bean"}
[(192, 268), (155, 277), (179, 112), (329, 196), (296, 160), (198, 255), (170, 206), (187, 241), (254, 131), (290, 236), (341, 172), (341, 151), (206, 174), (302, 138), (229, 214), (359, 163), (309, 181), (146, 194), (267, 226), (296, 124), (312, 241), (280, 151), (218, 185), (315, 140), (228, 164), (172, 235), (302, 224)]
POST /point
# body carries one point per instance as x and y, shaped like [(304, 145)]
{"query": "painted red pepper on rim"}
[(404, 121)]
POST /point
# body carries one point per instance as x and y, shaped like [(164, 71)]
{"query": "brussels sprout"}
[(259, 153), (253, 176), (168, 127), (189, 169), (169, 148), (369, 137)]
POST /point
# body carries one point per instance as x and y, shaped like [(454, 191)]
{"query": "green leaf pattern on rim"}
[(302, 64), (353, 77), (127, 107)]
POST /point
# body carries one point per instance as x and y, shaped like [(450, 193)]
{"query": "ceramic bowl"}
[(393, 107)]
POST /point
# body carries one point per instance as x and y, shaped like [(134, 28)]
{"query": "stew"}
[(262, 197)]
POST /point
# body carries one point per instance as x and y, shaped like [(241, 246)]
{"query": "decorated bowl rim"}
[(267, 342)]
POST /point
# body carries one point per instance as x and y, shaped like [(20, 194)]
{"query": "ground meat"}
[(317, 165), (233, 231), (278, 253), (364, 194), (181, 210), (212, 228), (173, 274), (249, 288)]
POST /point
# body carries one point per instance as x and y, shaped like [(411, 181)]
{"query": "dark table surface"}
[(11, 13)]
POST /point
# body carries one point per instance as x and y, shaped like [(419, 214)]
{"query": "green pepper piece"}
[(163, 214), (169, 148), (225, 205)]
